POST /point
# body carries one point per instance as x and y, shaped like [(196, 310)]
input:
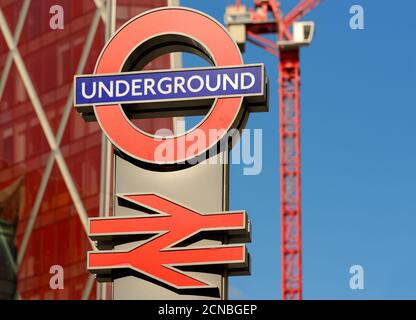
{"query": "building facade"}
[(51, 177)]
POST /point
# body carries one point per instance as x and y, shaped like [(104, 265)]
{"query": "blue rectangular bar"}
[(153, 86)]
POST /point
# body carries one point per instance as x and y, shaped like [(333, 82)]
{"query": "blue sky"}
[(358, 157)]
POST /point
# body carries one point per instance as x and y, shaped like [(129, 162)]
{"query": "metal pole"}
[(106, 148), (176, 63)]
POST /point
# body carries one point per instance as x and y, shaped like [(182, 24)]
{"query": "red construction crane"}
[(248, 25)]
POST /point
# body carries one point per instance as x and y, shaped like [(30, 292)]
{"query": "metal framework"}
[(267, 18), (290, 174), (54, 141), (104, 13)]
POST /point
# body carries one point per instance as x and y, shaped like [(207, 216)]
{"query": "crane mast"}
[(289, 100), (248, 25)]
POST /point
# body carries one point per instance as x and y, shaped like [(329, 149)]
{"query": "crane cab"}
[(303, 32)]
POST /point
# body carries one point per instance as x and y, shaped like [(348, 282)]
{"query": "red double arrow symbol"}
[(168, 225)]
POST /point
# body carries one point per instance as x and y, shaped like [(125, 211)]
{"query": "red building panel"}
[(33, 104)]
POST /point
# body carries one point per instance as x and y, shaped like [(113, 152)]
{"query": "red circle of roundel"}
[(224, 112)]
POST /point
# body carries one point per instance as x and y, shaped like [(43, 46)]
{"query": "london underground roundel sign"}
[(119, 83)]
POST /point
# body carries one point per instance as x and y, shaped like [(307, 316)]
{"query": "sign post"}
[(171, 235)]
